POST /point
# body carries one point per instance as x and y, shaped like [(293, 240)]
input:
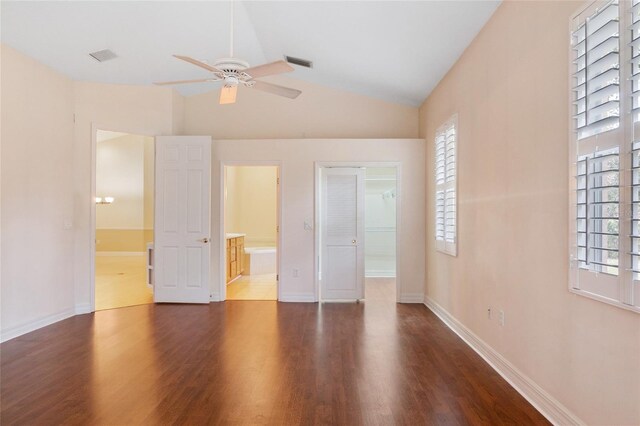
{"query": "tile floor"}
[(121, 281), (253, 287)]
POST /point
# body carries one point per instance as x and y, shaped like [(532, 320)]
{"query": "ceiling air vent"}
[(297, 61), (103, 55)]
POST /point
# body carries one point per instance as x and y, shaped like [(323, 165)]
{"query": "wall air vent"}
[(297, 61), (103, 55)]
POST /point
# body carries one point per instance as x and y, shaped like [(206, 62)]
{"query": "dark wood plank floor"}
[(246, 362)]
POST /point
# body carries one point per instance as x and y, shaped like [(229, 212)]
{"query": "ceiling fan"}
[(235, 72)]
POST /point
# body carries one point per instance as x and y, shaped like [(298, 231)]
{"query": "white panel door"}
[(342, 210), (182, 219)]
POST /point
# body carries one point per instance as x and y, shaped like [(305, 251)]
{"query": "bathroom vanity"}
[(235, 256)]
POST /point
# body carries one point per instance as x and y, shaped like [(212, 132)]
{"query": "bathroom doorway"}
[(124, 200), (251, 228)]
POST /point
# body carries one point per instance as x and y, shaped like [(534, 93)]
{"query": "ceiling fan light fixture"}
[(228, 94), (235, 72)]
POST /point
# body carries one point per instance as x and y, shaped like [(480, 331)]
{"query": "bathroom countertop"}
[(234, 235)]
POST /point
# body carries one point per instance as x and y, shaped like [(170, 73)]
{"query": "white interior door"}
[(182, 219), (342, 211)]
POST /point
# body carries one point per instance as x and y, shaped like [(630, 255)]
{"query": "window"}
[(605, 155), (446, 202)]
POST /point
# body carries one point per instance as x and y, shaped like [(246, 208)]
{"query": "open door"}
[(342, 233), (182, 219)]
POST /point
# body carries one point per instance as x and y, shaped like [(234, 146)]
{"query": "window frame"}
[(442, 245), (621, 290)]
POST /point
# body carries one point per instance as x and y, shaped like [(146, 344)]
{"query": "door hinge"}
[(278, 228), (278, 181), (277, 277)]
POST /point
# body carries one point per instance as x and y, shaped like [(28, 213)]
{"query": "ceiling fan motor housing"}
[(232, 71)]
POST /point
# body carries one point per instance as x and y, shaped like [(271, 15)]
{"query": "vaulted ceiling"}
[(391, 50)]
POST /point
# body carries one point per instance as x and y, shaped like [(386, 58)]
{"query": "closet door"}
[(342, 233)]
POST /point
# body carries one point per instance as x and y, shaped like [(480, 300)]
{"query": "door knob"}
[(204, 240), (353, 241)]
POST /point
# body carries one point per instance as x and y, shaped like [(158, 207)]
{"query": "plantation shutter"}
[(446, 177), (631, 292), (600, 149), (635, 60), (598, 211), (596, 44), (440, 215)]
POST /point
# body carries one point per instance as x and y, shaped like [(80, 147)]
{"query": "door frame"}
[(318, 219), (92, 208), (222, 240)]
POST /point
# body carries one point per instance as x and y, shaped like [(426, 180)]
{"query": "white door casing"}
[(182, 219), (342, 218)]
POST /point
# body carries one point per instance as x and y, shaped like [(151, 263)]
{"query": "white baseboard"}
[(13, 332), (411, 298), (83, 308), (551, 408), (120, 253), (297, 297)]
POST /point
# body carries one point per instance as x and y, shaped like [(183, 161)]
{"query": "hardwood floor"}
[(250, 363)]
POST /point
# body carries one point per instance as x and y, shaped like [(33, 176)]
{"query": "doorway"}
[(251, 230), (357, 207), (124, 219), (380, 232)]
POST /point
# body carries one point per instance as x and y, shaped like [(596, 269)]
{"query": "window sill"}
[(451, 253), (605, 300)]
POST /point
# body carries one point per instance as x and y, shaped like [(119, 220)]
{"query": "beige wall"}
[(120, 174), (319, 112), (251, 204), (123, 240), (37, 203), (297, 159), (510, 89), (124, 170)]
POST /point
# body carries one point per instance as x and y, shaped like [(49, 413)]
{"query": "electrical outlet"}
[(501, 317), (295, 273), (488, 313)]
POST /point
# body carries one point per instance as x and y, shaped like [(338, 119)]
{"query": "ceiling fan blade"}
[(202, 80), (277, 67), (228, 95), (277, 90), (198, 63)]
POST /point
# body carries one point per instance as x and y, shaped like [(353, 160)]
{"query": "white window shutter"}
[(635, 60), (446, 187), (440, 227), (598, 212), (605, 171), (596, 78)]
